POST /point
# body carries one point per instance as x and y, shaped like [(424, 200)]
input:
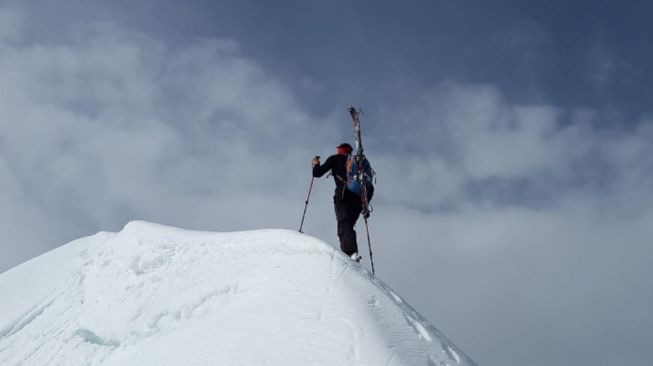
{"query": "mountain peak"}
[(158, 295)]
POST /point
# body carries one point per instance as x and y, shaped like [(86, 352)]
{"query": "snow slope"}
[(156, 295)]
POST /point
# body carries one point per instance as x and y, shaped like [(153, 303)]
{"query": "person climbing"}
[(347, 204)]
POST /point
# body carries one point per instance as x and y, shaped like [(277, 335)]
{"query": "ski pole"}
[(306, 205), (369, 244), (310, 188)]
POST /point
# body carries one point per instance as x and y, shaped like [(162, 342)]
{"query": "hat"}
[(344, 149), (345, 145)]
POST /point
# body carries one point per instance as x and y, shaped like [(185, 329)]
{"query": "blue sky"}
[(512, 142)]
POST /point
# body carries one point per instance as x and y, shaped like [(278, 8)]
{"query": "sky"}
[(511, 140)]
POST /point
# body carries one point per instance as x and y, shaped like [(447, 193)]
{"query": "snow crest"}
[(157, 295)]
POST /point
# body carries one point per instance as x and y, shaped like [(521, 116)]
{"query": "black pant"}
[(348, 207)]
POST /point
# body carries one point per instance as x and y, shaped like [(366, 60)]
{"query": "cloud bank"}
[(542, 216), (115, 124)]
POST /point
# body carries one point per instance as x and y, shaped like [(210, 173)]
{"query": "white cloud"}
[(562, 268), (115, 125)]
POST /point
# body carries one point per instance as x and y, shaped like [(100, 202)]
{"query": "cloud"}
[(529, 219), (115, 125)]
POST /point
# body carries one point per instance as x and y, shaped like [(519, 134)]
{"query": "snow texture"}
[(157, 295)]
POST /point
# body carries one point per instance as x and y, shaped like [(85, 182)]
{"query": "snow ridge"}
[(157, 295)]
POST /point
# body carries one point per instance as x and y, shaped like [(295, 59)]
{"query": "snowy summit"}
[(157, 295)]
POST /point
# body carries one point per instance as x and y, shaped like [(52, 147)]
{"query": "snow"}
[(157, 295)]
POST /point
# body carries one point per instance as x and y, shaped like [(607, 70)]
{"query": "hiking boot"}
[(356, 257)]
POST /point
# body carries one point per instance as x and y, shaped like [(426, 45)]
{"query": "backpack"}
[(356, 170)]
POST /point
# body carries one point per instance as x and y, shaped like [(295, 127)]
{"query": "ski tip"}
[(353, 111)]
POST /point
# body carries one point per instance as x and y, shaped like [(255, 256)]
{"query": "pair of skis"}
[(359, 157), (362, 175)]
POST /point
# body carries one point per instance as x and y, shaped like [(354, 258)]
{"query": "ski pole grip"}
[(316, 161)]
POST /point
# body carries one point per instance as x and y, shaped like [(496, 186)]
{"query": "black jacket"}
[(337, 164)]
